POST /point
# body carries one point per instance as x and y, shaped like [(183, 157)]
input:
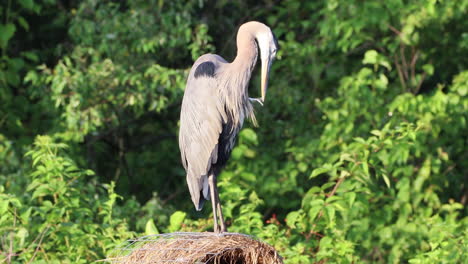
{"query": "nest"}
[(196, 248)]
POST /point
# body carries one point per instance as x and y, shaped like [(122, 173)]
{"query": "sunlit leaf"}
[(150, 228), (176, 221)]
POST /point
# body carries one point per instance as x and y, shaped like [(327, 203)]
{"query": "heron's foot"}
[(220, 228), (223, 227), (258, 100)]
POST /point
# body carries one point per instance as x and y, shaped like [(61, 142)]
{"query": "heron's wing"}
[(201, 120)]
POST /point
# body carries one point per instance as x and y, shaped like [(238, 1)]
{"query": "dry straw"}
[(196, 248)]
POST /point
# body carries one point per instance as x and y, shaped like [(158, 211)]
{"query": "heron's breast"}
[(227, 139)]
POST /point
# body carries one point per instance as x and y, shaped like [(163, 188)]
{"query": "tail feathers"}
[(199, 192), (201, 200), (200, 204)]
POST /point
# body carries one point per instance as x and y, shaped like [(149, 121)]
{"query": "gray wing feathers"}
[(201, 119)]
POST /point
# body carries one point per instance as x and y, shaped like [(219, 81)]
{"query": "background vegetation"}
[(360, 156)]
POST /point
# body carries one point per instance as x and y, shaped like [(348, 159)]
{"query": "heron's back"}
[(202, 120)]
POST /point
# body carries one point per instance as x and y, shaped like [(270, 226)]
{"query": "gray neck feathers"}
[(234, 89)]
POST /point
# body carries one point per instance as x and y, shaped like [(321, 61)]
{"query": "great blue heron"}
[(215, 104)]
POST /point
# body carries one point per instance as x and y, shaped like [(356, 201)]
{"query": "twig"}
[(396, 31), (316, 233), (413, 63), (420, 83), (340, 180), (170, 197), (403, 60), (39, 244), (400, 73), (10, 250), (333, 191)]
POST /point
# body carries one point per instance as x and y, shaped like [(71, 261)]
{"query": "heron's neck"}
[(246, 58), (239, 74), (241, 68)]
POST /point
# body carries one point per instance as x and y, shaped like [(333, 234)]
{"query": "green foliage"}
[(360, 156), (176, 221), (60, 211)]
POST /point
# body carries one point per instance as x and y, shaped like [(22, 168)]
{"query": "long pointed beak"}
[(265, 73)]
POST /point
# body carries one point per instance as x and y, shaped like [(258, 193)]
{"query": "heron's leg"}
[(212, 184), (222, 225), (220, 212)]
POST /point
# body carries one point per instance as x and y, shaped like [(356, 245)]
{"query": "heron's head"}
[(268, 46)]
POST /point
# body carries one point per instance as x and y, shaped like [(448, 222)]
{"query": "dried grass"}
[(196, 248)]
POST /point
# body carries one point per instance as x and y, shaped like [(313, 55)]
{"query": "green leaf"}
[(325, 242), (317, 202), (42, 190), (238, 152), (4, 206), (351, 197), (6, 32), (365, 167), (376, 132), (302, 166), (25, 215), (429, 69), (31, 56), (23, 23), (28, 4), (176, 221), (330, 213), (249, 135), (313, 212), (150, 228), (248, 176), (386, 180), (22, 233), (370, 57), (292, 218), (318, 171), (360, 140), (381, 82)]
